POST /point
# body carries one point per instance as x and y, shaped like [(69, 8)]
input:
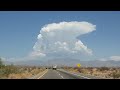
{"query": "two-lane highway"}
[(52, 74), (57, 74), (62, 74)]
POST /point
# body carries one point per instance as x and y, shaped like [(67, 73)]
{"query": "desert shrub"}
[(103, 68), (115, 75), (9, 69), (1, 63)]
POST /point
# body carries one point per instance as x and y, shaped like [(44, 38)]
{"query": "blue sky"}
[(19, 30)]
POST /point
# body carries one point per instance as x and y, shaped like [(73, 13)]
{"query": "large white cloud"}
[(61, 39)]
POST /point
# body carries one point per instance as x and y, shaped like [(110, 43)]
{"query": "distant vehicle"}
[(54, 67), (48, 67)]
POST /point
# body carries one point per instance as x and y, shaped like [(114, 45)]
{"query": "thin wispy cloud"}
[(113, 58)]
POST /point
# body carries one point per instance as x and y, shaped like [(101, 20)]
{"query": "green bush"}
[(9, 69), (116, 75), (1, 63)]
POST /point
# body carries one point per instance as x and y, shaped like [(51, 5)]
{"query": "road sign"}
[(78, 65)]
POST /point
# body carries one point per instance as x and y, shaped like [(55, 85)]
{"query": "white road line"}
[(82, 76), (43, 74), (85, 77), (77, 75), (62, 77)]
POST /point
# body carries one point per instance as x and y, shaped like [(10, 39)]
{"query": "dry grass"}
[(103, 72), (18, 72), (21, 72), (19, 76)]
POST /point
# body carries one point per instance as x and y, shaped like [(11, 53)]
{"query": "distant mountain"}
[(97, 63), (30, 63), (59, 62), (7, 62), (70, 62), (92, 63)]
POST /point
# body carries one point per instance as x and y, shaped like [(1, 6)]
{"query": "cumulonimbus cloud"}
[(61, 39)]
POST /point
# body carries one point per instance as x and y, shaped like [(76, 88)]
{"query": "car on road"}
[(54, 67)]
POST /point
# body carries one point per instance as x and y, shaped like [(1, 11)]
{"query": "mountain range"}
[(67, 62)]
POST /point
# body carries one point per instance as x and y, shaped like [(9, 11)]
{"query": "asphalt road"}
[(58, 74)]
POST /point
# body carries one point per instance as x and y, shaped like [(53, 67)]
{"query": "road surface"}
[(59, 74)]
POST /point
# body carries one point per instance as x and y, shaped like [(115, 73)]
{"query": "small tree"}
[(1, 63)]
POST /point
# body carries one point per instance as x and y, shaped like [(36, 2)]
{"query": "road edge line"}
[(43, 74), (75, 74)]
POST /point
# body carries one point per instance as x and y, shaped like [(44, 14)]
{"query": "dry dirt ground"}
[(103, 72), (13, 72)]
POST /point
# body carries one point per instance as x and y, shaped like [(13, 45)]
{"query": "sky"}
[(95, 32)]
